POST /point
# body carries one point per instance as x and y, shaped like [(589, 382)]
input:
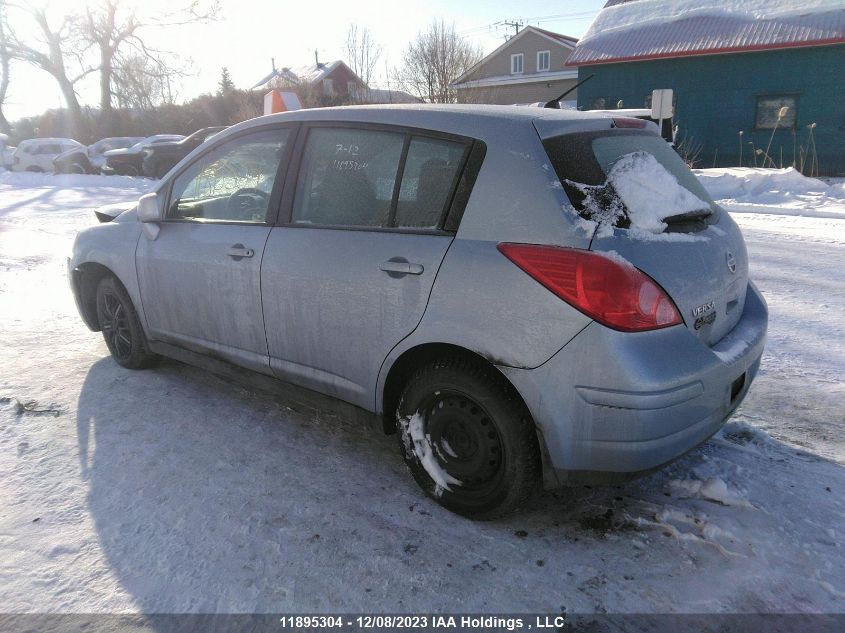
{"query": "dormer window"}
[(517, 63), (543, 61)]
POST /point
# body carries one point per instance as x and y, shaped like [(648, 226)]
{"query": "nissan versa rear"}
[(525, 296)]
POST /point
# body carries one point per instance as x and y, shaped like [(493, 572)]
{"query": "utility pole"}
[(514, 23)]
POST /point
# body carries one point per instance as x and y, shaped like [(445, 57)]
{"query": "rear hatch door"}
[(651, 210)]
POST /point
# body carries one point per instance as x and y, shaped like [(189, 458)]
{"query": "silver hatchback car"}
[(523, 295)]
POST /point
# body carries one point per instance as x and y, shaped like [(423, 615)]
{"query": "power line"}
[(557, 17)]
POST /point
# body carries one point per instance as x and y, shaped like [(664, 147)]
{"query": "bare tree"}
[(434, 60), (5, 59), (126, 60), (362, 52), (57, 50), (139, 82)]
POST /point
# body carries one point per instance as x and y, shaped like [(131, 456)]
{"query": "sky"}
[(246, 34)]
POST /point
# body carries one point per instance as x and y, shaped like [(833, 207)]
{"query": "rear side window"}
[(378, 179), (629, 179), (428, 180)]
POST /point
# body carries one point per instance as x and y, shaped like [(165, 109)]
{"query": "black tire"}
[(468, 439), (76, 168), (120, 326)]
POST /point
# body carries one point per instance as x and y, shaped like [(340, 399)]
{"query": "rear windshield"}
[(629, 179)]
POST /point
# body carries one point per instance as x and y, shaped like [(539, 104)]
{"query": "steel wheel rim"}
[(115, 324), (465, 442)]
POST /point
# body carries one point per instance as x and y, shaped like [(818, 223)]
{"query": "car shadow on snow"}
[(209, 496)]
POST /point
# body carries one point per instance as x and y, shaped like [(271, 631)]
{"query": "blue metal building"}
[(756, 82)]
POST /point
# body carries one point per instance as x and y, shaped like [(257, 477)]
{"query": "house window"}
[(328, 87), (543, 60), (352, 88), (776, 111), (516, 64)]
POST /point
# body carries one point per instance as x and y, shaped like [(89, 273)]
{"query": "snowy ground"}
[(170, 490)]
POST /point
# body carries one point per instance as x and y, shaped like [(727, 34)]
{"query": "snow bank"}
[(781, 191), (739, 182)]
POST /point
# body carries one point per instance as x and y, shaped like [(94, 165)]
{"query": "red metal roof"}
[(564, 39), (699, 32)]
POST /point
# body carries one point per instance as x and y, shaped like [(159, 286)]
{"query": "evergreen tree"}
[(226, 85)]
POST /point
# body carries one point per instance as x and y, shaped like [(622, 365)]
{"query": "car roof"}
[(57, 139), (416, 110), (474, 120)]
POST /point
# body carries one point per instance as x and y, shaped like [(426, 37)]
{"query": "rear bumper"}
[(613, 405)]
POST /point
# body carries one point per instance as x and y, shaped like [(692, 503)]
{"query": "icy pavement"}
[(171, 490)]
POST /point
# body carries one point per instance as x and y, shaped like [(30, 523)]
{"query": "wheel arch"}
[(409, 360), (85, 278)]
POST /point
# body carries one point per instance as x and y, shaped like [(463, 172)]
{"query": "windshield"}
[(628, 179)]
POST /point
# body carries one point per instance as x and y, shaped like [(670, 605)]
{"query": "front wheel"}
[(120, 326), (468, 439)]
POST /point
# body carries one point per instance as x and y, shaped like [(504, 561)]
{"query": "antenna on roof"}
[(273, 63), (555, 103)]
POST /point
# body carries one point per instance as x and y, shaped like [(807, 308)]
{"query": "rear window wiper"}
[(689, 216)]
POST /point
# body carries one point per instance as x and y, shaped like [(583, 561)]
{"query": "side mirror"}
[(150, 215), (148, 208)]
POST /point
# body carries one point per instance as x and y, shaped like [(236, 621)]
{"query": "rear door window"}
[(347, 177), (377, 179)]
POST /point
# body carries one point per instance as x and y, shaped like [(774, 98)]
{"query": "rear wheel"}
[(468, 439), (121, 327)]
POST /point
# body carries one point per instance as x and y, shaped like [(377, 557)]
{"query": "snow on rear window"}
[(650, 192), (629, 180)]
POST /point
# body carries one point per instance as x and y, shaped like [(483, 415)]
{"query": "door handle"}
[(238, 251), (397, 267)]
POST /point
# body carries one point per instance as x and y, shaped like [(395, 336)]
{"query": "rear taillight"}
[(611, 291)]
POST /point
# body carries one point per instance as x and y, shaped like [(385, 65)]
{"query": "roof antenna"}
[(555, 103), (273, 63)]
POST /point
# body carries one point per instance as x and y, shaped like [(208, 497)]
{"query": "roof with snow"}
[(311, 74), (630, 30), (385, 96)]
